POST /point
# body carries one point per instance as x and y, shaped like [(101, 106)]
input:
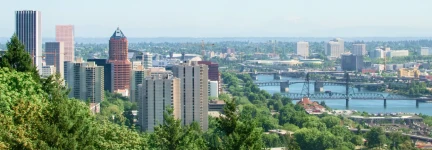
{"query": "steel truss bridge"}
[(325, 83), (353, 96)]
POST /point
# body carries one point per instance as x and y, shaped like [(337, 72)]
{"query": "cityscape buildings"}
[(108, 73), (54, 55), (157, 94), (359, 49), (28, 28), (137, 77), (86, 80), (48, 70), (194, 92), (118, 50), (397, 53), (65, 34), (147, 61), (351, 62), (303, 49)]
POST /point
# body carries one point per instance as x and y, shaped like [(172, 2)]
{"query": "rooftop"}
[(118, 34)]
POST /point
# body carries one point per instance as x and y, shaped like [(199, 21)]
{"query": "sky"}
[(228, 18)]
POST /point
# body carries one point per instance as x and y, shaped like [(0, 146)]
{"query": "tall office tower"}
[(54, 55), (28, 29), (137, 77), (303, 48), (86, 80), (157, 93), (65, 34), (147, 61), (359, 49), (194, 92), (108, 73), (118, 50), (333, 49)]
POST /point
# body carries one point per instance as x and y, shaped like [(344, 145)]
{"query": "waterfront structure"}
[(352, 62), (118, 50), (397, 53), (137, 77), (156, 94), (54, 55), (302, 48), (409, 72), (213, 89), (65, 34), (194, 92), (86, 80), (359, 49), (28, 28), (108, 73), (147, 61), (48, 70)]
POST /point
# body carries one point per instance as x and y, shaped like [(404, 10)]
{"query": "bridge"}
[(347, 96), (277, 74)]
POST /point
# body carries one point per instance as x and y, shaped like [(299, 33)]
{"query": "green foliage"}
[(376, 137), (17, 58)]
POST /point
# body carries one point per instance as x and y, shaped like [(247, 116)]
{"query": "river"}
[(370, 106)]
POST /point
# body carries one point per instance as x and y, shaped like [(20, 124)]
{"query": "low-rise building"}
[(409, 72), (48, 70), (397, 53)]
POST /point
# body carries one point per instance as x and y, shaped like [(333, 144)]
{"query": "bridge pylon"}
[(284, 86)]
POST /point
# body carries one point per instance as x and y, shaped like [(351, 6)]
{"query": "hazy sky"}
[(228, 18)]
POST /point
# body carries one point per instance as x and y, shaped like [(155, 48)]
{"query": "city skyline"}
[(231, 19)]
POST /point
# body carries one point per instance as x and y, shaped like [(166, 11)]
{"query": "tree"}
[(17, 58), (376, 137), (171, 136)]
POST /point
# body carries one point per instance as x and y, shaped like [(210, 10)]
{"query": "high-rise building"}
[(118, 50), (137, 77), (108, 73), (86, 80), (213, 89), (302, 48), (213, 72), (333, 49), (54, 55), (352, 62), (157, 93), (359, 49), (65, 34), (28, 29), (194, 92), (147, 61)]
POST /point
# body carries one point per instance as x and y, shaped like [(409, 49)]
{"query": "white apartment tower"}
[(194, 92), (156, 94), (303, 48), (359, 49)]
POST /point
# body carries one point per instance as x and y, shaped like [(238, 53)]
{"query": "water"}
[(370, 106)]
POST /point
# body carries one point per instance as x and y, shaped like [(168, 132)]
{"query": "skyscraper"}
[(156, 94), (86, 80), (118, 50), (303, 48), (147, 61), (137, 77), (352, 62), (28, 30), (54, 55), (65, 34), (108, 73), (359, 49), (194, 92)]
